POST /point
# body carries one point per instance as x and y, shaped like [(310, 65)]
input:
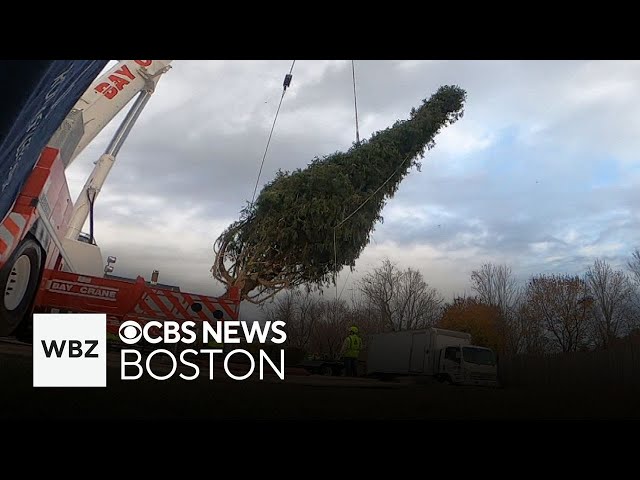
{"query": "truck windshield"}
[(479, 356)]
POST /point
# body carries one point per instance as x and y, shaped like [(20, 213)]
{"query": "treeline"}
[(546, 314)]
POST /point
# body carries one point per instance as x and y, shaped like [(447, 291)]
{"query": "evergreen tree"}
[(286, 237)]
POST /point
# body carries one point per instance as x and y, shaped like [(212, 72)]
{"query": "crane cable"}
[(285, 84), (355, 100), (335, 250)]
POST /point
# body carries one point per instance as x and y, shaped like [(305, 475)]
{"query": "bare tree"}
[(496, 285), (364, 315), (634, 266), (318, 325), (562, 304), (634, 269), (611, 291), (331, 328), (527, 334), (401, 298), (300, 310), (282, 308)]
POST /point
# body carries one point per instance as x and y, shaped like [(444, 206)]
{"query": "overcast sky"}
[(541, 173)]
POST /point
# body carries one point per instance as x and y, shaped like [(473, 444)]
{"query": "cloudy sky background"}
[(541, 173)]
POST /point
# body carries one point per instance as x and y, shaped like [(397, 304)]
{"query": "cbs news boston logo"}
[(69, 349)]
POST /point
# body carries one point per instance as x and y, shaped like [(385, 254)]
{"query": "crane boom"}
[(84, 204), (143, 83), (102, 101)]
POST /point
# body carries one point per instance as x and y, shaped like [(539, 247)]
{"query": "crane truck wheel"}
[(326, 370), (19, 278)]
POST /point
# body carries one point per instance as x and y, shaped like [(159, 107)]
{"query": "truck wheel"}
[(19, 278), (326, 370)]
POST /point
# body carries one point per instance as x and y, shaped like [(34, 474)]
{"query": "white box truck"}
[(446, 355)]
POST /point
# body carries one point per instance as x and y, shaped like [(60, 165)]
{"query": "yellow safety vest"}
[(355, 344)]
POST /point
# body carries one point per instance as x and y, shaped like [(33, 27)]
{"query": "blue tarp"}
[(38, 95)]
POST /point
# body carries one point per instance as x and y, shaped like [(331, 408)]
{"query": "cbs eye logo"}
[(130, 332)]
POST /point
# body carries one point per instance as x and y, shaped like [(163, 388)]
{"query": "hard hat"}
[(353, 329)]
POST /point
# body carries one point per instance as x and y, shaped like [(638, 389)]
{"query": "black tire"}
[(326, 370), (14, 309)]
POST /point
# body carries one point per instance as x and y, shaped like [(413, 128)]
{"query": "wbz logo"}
[(75, 348), (69, 350)]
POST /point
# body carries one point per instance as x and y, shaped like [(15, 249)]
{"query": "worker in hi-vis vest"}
[(351, 351)]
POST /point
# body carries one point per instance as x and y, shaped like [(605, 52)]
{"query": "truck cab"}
[(468, 365)]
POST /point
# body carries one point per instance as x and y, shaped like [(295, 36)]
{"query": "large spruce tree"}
[(287, 236)]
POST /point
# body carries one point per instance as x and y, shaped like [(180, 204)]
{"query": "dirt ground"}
[(298, 397)]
